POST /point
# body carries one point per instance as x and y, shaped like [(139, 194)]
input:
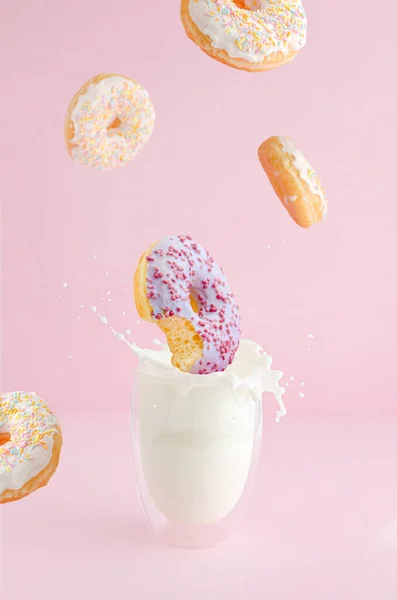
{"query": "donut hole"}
[(4, 438), (252, 5), (114, 125), (194, 302)]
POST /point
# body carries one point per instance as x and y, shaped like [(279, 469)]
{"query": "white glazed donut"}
[(108, 122), (30, 445), (251, 35)]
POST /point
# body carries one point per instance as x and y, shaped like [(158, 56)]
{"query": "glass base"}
[(183, 535)]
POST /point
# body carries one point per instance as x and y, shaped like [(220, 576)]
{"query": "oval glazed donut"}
[(179, 286), (251, 35), (294, 181), (108, 122), (30, 445)]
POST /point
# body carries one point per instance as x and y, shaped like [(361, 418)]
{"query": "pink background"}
[(199, 173)]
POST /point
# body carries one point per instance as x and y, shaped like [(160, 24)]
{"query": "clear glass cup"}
[(195, 452)]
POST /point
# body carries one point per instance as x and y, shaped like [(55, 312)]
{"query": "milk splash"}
[(251, 369)]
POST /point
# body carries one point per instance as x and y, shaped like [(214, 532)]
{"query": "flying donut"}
[(30, 445), (255, 35), (179, 286), (108, 122)]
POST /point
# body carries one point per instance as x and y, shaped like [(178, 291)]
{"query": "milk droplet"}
[(308, 349), (95, 256), (70, 357), (286, 384), (302, 383), (106, 273), (292, 378), (81, 305), (138, 322), (310, 335), (93, 308), (128, 331), (301, 395), (65, 285), (123, 313), (108, 292), (269, 246)]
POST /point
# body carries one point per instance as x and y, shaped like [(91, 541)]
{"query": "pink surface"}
[(322, 524), (323, 521)]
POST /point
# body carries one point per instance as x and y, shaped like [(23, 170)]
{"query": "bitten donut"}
[(179, 286), (108, 122), (251, 35), (293, 180), (30, 445)]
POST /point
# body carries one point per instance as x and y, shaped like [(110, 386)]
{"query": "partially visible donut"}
[(179, 287), (250, 35), (108, 122), (30, 445), (294, 181)]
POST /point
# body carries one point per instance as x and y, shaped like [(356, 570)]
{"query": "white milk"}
[(195, 447), (196, 433)]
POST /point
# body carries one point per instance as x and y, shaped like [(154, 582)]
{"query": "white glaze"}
[(306, 172), (289, 199)]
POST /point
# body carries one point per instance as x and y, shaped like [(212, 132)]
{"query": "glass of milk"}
[(196, 441)]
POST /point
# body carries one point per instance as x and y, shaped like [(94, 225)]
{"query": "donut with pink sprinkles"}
[(180, 287)]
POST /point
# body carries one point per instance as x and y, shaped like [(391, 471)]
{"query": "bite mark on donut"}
[(185, 344)]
